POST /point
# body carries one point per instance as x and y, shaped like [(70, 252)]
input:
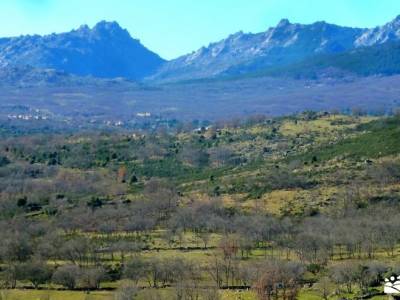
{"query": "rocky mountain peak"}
[(106, 50), (283, 23), (381, 34), (83, 28), (103, 30), (108, 28)]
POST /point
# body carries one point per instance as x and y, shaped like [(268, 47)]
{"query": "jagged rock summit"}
[(106, 50), (381, 34)]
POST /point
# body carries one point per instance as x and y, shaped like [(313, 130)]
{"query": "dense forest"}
[(298, 207)]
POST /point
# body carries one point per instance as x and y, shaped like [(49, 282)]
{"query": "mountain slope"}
[(282, 45), (381, 34), (381, 59), (106, 50)]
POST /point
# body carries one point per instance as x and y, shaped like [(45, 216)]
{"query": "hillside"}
[(207, 212), (259, 158)]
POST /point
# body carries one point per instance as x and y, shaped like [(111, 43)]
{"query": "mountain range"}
[(109, 51)]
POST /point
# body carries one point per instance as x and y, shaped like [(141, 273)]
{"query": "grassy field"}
[(305, 294), (54, 295), (68, 295)]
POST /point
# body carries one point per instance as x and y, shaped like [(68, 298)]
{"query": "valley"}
[(75, 106), (263, 166)]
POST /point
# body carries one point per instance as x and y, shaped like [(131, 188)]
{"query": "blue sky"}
[(175, 27)]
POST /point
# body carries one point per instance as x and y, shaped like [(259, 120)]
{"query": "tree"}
[(76, 250), (154, 272), (345, 274), (358, 111), (67, 276), (121, 174), (127, 291), (10, 274), (135, 269), (222, 156), (229, 248), (162, 196), (187, 279), (277, 278), (369, 274), (91, 278), (133, 179), (215, 270), (22, 202), (195, 157), (324, 287), (37, 272), (17, 248)]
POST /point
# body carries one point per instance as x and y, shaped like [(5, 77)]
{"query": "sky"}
[(175, 27)]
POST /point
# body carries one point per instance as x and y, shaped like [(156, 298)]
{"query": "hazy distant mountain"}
[(28, 76), (282, 45), (106, 50)]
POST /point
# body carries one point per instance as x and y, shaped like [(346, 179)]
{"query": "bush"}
[(4, 161)]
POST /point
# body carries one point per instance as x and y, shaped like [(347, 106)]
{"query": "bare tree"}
[(67, 276), (127, 291)]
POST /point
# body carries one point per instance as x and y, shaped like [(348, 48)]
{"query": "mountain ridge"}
[(285, 44), (104, 51)]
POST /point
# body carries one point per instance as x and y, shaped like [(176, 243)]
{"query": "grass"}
[(308, 294), (53, 295), (143, 295), (311, 294), (380, 139), (238, 295)]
